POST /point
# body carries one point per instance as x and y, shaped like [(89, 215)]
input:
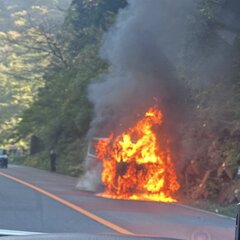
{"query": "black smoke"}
[(142, 49)]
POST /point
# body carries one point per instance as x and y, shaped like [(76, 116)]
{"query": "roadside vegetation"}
[(51, 56), (229, 210), (49, 53)]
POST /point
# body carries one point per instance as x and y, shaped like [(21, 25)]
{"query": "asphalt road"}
[(22, 208), (55, 205)]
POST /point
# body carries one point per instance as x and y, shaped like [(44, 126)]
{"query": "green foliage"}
[(61, 113), (39, 160), (213, 129), (229, 210), (28, 33)]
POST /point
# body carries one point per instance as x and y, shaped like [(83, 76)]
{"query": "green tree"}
[(61, 112), (28, 41)]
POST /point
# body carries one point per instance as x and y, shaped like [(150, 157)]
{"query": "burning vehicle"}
[(135, 165), (139, 162)]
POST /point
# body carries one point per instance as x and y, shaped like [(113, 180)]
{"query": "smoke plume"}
[(142, 50)]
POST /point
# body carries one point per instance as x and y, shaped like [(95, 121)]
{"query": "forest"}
[(51, 54)]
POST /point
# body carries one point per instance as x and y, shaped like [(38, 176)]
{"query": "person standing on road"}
[(53, 157)]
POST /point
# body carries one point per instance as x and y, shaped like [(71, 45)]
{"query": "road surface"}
[(37, 200)]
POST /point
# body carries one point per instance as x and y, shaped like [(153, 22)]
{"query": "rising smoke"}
[(142, 49)]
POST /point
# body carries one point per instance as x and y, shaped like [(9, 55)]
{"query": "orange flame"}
[(135, 166)]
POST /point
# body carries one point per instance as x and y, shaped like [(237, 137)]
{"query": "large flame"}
[(135, 166)]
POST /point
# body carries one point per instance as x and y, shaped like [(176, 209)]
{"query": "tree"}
[(28, 41), (61, 112)]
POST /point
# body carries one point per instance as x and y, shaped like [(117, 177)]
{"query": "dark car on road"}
[(3, 158)]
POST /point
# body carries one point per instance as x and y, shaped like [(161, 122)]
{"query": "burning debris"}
[(135, 165)]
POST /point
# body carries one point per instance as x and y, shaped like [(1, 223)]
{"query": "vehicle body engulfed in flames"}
[(134, 164)]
